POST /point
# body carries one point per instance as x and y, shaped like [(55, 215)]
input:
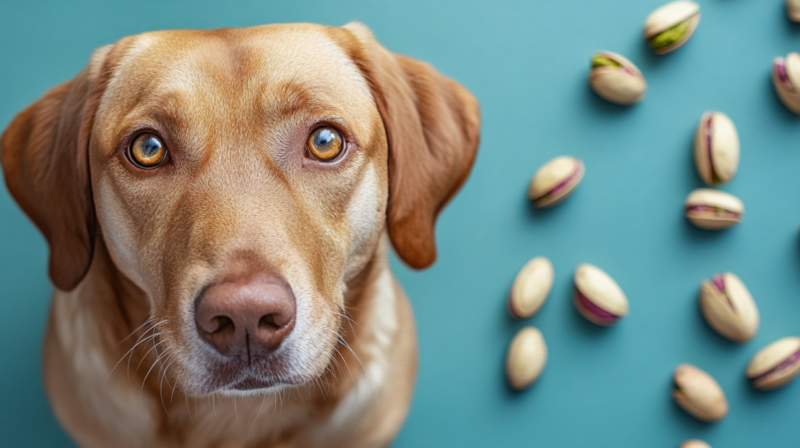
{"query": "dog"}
[(219, 206)]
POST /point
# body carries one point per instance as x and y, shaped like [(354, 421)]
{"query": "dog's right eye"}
[(147, 151), (325, 143)]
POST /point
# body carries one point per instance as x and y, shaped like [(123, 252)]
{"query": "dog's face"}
[(241, 179), (239, 188)]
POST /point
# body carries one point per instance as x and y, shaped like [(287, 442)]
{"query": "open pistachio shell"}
[(670, 26), (786, 78), (531, 287), (729, 308), (527, 356), (694, 443), (699, 394), (597, 296), (716, 148), (555, 180), (793, 10), (775, 365), (616, 79), (713, 209)]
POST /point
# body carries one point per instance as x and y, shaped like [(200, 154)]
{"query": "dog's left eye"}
[(325, 143), (147, 150)]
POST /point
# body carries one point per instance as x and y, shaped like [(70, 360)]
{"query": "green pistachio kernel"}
[(670, 36), (601, 61)]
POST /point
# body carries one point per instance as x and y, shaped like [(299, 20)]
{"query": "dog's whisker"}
[(255, 419), (344, 313), (343, 342), (145, 323), (140, 341), (152, 366), (155, 347), (160, 387), (130, 352)]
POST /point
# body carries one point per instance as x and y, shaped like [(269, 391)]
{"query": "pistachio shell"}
[(793, 10), (776, 364), (729, 308), (786, 78), (667, 17), (699, 394), (622, 85), (713, 209), (531, 287), (694, 443), (527, 356), (716, 148), (598, 297), (555, 180)]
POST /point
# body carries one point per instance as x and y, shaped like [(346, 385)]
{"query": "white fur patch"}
[(364, 219)]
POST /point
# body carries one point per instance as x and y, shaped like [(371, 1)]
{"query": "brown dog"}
[(215, 204)]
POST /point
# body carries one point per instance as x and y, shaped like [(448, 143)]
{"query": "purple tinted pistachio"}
[(709, 132), (788, 362), (563, 183), (719, 281), (708, 208), (780, 67), (594, 309)]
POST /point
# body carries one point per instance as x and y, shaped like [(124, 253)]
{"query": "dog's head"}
[(240, 178)]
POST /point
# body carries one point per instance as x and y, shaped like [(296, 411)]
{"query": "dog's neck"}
[(126, 373)]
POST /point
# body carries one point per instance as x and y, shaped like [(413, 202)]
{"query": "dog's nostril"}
[(224, 325), (268, 322)]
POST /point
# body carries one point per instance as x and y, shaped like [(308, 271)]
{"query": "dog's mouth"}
[(257, 383), (261, 377), (253, 384)]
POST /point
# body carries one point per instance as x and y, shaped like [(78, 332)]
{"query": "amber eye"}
[(325, 143), (147, 150)]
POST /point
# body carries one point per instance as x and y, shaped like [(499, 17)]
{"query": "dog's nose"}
[(246, 317)]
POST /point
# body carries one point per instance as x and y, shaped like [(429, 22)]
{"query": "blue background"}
[(527, 62)]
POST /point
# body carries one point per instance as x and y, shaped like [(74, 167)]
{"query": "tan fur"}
[(131, 249)]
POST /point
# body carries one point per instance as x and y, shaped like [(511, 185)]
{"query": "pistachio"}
[(555, 180), (694, 443), (776, 364), (527, 356), (671, 25), (531, 287), (616, 79), (713, 209), (728, 307), (716, 148), (786, 78), (597, 296), (699, 394), (793, 10)]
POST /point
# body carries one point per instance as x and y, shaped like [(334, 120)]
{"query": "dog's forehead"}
[(230, 67)]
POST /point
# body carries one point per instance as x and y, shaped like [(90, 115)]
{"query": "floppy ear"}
[(46, 167), (432, 126)]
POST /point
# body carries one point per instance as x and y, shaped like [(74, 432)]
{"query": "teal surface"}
[(527, 62)]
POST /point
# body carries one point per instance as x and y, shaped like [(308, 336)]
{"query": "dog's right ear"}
[(46, 167)]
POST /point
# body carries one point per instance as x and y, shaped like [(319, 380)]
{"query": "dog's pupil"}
[(325, 137), (151, 146)]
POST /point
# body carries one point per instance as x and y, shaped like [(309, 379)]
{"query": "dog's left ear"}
[(433, 127)]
